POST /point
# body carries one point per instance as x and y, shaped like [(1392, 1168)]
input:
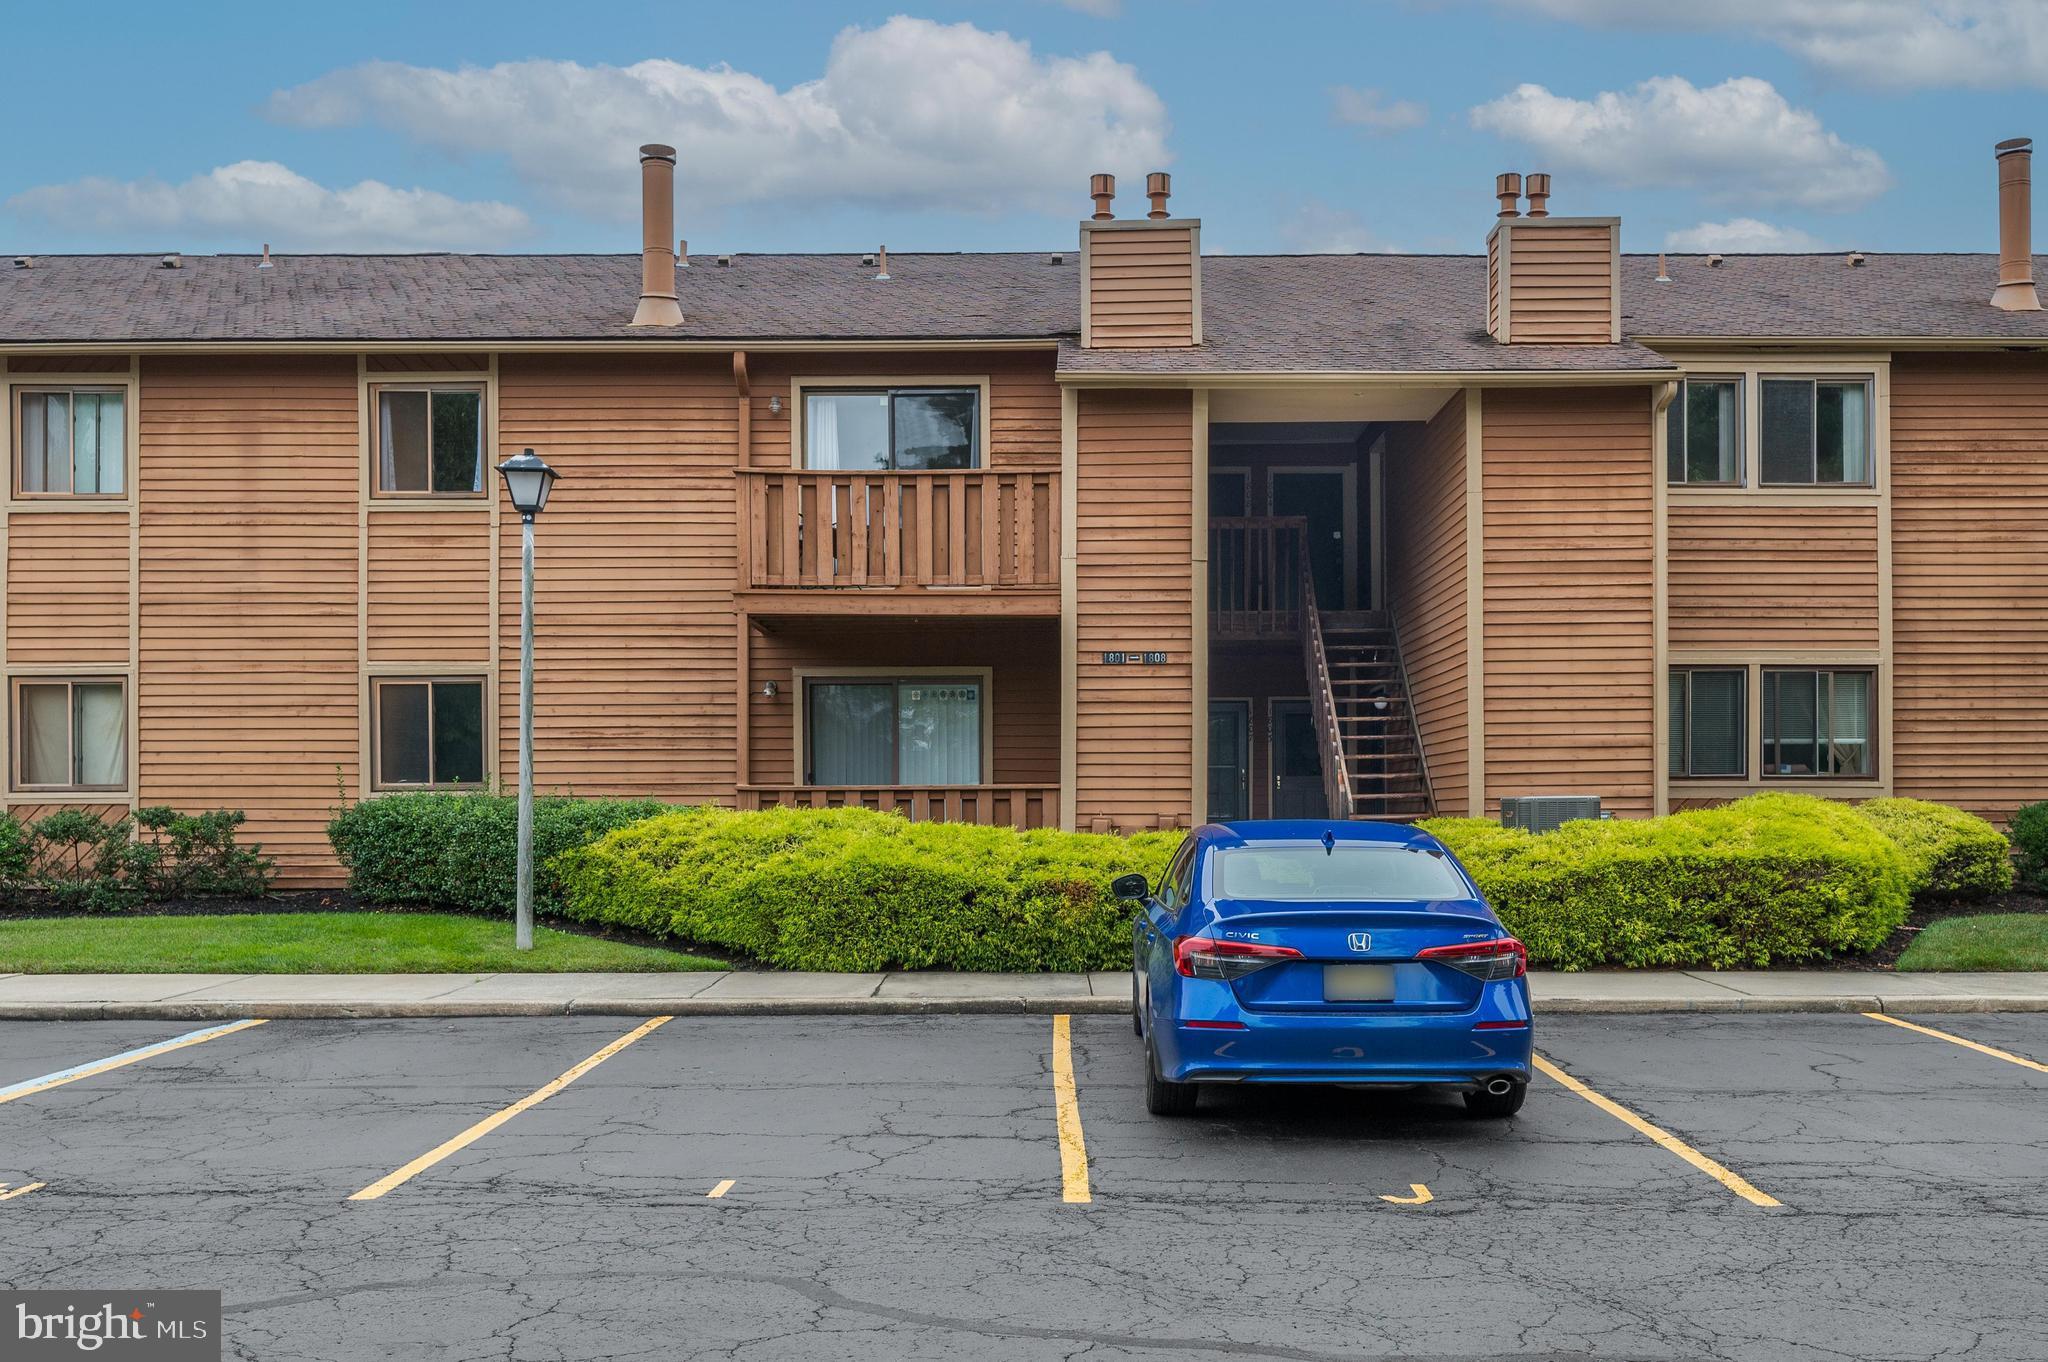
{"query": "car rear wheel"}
[(1496, 1104), (1163, 1098)]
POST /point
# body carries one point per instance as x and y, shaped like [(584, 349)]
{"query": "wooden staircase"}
[(1374, 726)]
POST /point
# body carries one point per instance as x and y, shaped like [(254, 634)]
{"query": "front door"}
[(1297, 764), (1230, 760), (1319, 496)]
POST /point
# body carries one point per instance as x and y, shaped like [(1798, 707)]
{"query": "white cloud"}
[(251, 202), (912, 114), (1986, 44), (1317, 228), (1739, 141), (1741, 235), (1373, 111), (1101, 9)]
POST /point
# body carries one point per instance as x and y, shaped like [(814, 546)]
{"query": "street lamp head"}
[(528, 480)]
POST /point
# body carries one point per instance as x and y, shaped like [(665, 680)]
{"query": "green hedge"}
[(1949, 852), (460, 850), (2030, 839), (1766, 880), (852, 889)]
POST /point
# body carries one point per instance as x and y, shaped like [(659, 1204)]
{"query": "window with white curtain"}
[(430, 441), (70, 734), (1817, 723), (71, 442), (908, 731), (876, 429), (1815, 431)]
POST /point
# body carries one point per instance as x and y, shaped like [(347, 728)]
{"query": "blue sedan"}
[(1325, 952)]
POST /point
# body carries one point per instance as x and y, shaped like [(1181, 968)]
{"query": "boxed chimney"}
[(1551, 280), (1141, 278)]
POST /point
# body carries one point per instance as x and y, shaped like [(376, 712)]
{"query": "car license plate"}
[(1358, 983)]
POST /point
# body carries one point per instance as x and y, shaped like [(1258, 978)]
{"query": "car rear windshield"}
[(1313, 872)]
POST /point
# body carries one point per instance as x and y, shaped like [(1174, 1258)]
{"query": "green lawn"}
[(311, 943), (1995, 941)]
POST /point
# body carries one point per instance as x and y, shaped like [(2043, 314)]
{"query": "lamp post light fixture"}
[(528, 480)]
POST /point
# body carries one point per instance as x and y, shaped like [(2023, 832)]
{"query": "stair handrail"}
[(1322, 695), (1408, 702)]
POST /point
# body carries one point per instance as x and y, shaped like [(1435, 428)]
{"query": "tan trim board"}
[(1070, 658), (1198, 559), (1881, 458), (1660, 602), (134, 459), (363, 488), (1475, 604)]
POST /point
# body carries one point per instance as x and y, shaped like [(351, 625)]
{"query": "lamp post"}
[(527, 481)]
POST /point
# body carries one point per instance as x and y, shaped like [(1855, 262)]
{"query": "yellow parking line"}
[(1726, 1177), (19, 1191), (496, 1119), (31, 1086), (1067, 1107), (2006, 1055), (1419, 1195), (720, 1190)]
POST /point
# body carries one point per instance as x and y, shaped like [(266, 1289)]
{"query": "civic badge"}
[(1359, 941)]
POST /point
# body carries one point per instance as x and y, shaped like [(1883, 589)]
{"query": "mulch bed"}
[(341, 901)]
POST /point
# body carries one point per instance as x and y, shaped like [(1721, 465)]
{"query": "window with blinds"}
[(70, 442), (1817, 723), (893, 732), (1709, 709)]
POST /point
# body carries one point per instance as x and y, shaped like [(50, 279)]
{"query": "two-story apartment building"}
[(1112, 535)]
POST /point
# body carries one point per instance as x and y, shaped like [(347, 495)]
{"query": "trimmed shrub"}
[(195, 855), (17, 856), (460, 851), (2030, 839), (853, 889), (1765, 880), (90, 864), (1949, 851)]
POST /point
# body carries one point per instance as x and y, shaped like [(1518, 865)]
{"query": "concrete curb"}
[(900, 1007)]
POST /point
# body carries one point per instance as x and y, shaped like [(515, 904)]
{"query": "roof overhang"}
[(1386, 378), (1842, 342), (652, 345)]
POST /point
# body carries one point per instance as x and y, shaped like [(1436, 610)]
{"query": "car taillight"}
[(1505, 958), (1206, 957)]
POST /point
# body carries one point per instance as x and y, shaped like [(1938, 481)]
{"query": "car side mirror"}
[(1129, 887)]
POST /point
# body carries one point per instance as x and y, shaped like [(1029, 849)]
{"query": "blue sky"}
[(1310, 125)]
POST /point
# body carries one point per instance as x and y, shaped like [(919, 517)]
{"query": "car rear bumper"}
[(1362, 1047)]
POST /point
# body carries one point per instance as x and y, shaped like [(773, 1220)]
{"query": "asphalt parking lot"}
[(1767, 1188)]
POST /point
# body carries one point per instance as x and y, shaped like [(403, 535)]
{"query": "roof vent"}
[(1663, 270), (658, 305), (1057, 258), (882, 274), (682, 253), (174, 261), (22, 262), (1714, 262), (867, 261), (724, 261), (264, 263), (1856, 259)]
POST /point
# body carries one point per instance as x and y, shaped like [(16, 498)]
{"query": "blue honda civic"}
[(1325, 952)]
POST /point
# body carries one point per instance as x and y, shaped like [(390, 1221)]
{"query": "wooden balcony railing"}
[(1255, 576), (978, 528), (1017, 806)]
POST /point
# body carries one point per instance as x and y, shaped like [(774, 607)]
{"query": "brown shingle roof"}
[(1260, 313)]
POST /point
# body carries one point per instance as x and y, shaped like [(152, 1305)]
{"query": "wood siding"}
[(1560, 282), (1969, 476), (1569, 592), (1141, 286), (634, 622), (1022, 708), (1747, 576), (1134, 590), (1425, 488), (249, 520), (67, 588), (430, 586)]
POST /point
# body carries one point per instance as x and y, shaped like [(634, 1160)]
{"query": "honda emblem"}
[(1359, 941)]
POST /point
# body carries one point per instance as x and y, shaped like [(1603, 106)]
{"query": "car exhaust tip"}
[(1499, 1087)]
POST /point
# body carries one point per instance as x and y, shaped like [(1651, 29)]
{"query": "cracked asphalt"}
[(896, 1193)]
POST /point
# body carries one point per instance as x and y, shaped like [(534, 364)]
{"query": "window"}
[(1816, 431), (900, 428), (430, 441), (71, 442), (71, 734), (1704, 432), (1709, 707), (1177, 883), (889, 732), (1348, 871), (1817, 723), (430, 732)]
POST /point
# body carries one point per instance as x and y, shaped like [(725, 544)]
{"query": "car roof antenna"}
[(1329, 842)]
